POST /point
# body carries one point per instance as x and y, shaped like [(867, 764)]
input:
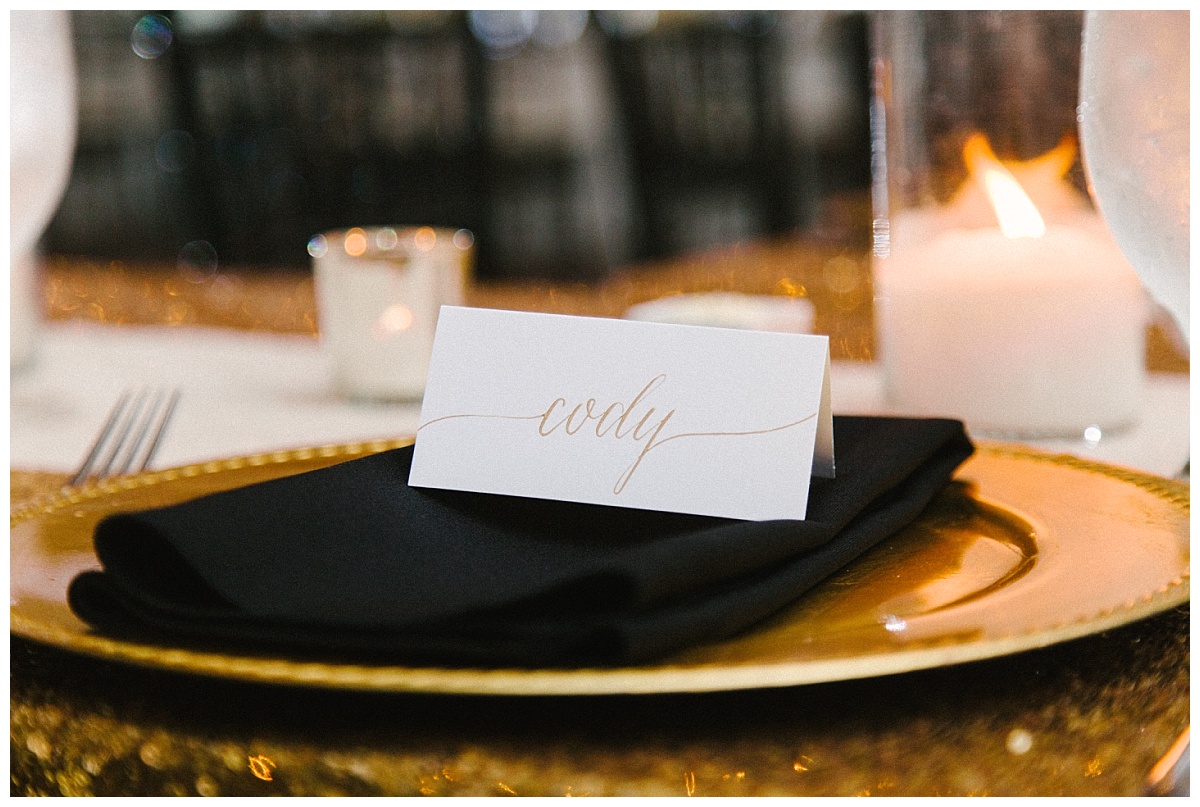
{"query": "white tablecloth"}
[(245, 393)]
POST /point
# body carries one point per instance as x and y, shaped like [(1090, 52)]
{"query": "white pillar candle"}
[(1033, 334)]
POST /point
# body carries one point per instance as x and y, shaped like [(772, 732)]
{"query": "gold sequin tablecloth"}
[(1087, 717), (1084, 717)]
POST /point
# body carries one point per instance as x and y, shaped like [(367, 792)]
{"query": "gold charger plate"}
[(1023, 550)]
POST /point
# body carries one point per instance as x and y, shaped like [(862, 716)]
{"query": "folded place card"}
[(678, 418)]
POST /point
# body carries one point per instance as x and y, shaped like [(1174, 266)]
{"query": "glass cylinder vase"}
[(1001, 297)]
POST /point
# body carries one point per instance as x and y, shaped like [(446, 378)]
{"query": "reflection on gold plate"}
[(1023, 550)]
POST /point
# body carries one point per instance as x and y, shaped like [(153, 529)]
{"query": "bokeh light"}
[(386, 239), (197, 261), (355, 242), (318, 245), (151, 36), (425, 238), (396, 318), (464, 239), (502, 33)]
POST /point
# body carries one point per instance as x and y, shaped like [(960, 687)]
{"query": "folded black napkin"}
[(351, 561)]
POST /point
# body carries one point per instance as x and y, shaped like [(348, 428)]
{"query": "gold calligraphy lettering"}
[(600, 430), (655, 443), (624, 478), (646, 390), (587, 409), (646, 428), (546, 416)]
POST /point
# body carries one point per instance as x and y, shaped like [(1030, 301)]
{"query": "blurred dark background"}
[(568, 142)]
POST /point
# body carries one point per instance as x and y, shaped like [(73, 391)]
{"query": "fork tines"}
[(131, 434)]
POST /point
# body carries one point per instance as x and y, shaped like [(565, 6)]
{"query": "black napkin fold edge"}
[(698, 617)]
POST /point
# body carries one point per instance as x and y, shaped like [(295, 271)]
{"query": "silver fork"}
[(130, 436), (1171, 775)]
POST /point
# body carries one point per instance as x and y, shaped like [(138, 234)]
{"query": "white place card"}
[(680, 418)]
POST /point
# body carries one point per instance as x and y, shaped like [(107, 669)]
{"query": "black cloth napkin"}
[(349, 561)]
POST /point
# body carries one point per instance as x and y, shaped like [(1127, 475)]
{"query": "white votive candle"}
[(1027, 335), (378, 294)]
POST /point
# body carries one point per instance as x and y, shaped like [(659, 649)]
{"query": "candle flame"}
[(1018, 216), (1057, 161), (396, 318)]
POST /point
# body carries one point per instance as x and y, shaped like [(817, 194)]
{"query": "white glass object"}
[(42, 129), (1000, 296), (378, 295), (1134, 125)]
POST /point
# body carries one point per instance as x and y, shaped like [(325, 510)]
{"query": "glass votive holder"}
[(378, 293), (1001, 297)]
